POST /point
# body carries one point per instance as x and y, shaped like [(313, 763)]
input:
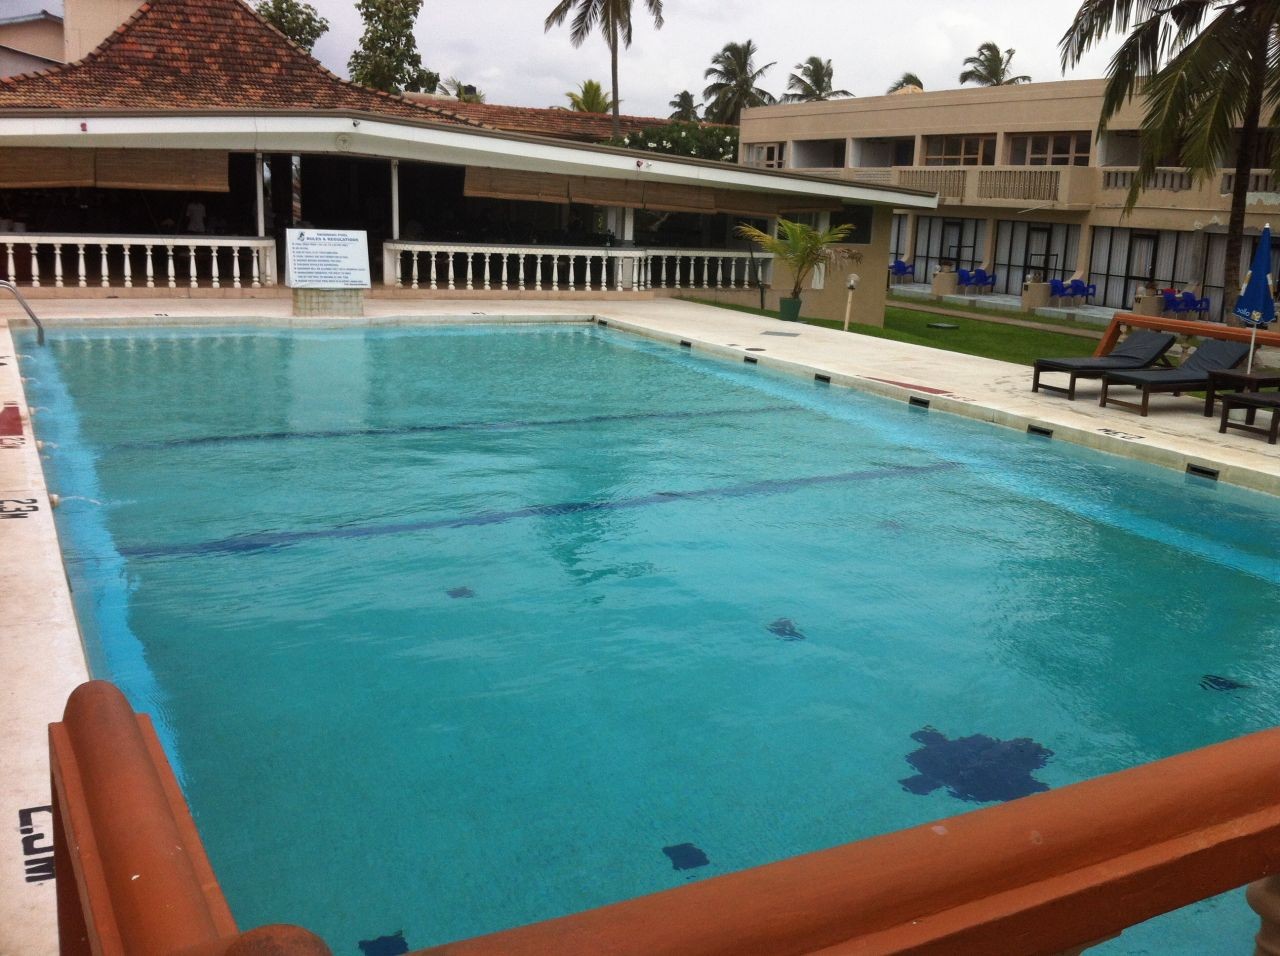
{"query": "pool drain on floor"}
[(685, 856)]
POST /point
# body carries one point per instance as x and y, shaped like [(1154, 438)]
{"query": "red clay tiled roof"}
[(560, 124), (184, 55)]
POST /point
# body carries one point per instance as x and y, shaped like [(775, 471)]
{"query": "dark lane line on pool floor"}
[(275, 539), (513, 425)]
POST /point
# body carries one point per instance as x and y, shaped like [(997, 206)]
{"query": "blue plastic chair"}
[(1203, 308), (1058, 289), (1173, 302), (1083, 290), (1190, 302), (982, 281), (901, 270), (964, 279)]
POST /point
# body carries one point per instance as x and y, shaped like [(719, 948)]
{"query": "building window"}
[(767, 155), (1050, 149), (960, 150)]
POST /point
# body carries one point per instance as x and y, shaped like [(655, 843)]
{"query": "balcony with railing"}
[(1174, 188)]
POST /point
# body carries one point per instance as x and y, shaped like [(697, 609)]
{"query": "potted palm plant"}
[(802, 248)]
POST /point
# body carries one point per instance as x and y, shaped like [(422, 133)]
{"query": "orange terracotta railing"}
[(1204, 330), (1043, 874), (133, 878)]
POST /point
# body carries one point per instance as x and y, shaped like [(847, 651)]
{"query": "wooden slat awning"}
[(635, 193), (198, 170), (34, 168)]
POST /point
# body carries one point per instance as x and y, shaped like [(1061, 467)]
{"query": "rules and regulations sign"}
[(326, 259)]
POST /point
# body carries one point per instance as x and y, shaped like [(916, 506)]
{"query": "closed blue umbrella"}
[(1255, 307)]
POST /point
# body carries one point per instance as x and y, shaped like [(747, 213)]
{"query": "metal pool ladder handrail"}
[(26, 308)]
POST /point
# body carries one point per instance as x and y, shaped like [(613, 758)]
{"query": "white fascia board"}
[(387, 140)]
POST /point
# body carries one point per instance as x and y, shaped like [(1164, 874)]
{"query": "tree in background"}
[(699, 140), (1205, 70), (589, 98), (463, 92), (387, 58), (684, 109), (812, 82), (613, 17), (990, 67), (734, 83), (902, 82), (297, 20)]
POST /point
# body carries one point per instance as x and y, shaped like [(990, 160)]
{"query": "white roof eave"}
[(366, 136)]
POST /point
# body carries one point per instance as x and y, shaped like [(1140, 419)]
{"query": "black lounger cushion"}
[(1139, 350), (1212, 356)]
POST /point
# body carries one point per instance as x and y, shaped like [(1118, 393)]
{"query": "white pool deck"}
[(40, 650)]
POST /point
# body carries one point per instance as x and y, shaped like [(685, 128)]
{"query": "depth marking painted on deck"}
[(275, 539)]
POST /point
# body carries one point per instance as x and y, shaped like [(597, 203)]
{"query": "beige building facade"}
[(35, 38), (1026, 185)]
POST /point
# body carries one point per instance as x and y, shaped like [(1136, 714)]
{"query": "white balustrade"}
[(113, 261), (570, 268)]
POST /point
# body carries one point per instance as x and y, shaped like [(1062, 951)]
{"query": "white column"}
[(260, 194), (395, 199)]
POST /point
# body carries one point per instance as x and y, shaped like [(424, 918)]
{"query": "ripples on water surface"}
[(452, 630)]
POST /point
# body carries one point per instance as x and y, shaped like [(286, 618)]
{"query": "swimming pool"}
[(449, 630)]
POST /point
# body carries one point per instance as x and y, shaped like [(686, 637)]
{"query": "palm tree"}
[(902, 82), (812, 83), (685, 110), (1205, 69), (463, 92), (733, 88), (990, 67), (614, 20), (589, 98)]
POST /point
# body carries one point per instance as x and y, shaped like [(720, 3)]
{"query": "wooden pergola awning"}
[(634, 193), (200, 170)]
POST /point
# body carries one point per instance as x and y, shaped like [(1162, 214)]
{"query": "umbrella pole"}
[(1253, 337)]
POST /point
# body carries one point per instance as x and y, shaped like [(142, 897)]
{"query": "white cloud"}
[(501, 47)]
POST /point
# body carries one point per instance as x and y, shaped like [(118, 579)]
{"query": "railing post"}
[(57, 265), (35, 266), (82, 274), (8, 247), (105, 280), (128, 267), (151, 274), (192, 263), (173, 274)]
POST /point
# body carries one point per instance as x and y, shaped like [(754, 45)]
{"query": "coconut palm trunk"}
[(613, 71), (1244, 171)]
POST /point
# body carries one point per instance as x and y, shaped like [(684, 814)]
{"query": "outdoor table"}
[(1251, 401), (1241, 381)]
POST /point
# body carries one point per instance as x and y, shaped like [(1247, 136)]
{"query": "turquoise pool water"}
[(450, 630)]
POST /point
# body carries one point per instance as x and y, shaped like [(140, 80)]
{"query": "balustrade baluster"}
[(433, 269), (35, 266), (413, 259), (537, 272), (617, 275), (487, 257), (398, 259), (192, 264), (520, 270), (8, 248), (82, 277), (505, 257), (568, 264), (253, 262), (173, 272), (128, 267), (57, 265), (151, 269), (103, 249), (213, 266), (235, 267), (676, 266), (449, 254), (555, 271), (470, 257), (662, 271)]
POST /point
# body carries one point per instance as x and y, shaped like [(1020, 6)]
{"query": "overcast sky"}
[(500, 46)]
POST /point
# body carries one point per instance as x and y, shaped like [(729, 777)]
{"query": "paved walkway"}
[(40, 650)]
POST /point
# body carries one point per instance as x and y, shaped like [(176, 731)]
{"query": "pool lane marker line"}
[(264, 540), (513, 425)]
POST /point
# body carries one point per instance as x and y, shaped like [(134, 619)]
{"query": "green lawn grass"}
[(977, 310), (1008, 343)]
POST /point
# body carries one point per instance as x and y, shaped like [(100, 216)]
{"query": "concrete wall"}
[(89, 22), (42, 38), (13, 62)]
